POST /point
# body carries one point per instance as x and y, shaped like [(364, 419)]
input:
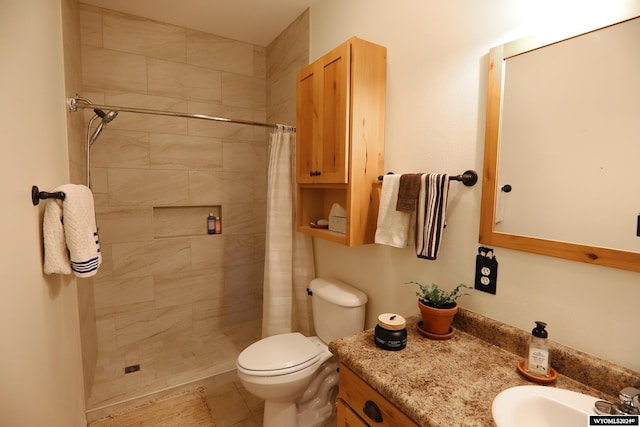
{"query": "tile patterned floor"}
[(229, 403), (175, 364), (232, 406)]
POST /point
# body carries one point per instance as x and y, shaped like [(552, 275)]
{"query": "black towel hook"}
[(37, 195)]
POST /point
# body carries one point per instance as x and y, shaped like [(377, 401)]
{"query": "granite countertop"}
[(448, 382)]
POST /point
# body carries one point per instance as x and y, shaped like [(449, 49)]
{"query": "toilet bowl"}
[(299, 359), (297, 375)]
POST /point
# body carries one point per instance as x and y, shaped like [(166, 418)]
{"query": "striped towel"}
[(70, 233), (430, 219)]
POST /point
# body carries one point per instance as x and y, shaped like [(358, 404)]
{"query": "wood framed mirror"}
[(539, 127)]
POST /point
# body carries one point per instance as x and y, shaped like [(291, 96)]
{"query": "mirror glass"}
[(563, 133)]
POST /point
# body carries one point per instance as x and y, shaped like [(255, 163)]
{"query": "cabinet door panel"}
[(335, 118), (307, 126)]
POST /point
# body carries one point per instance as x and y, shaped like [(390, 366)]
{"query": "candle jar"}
[(390, 332)]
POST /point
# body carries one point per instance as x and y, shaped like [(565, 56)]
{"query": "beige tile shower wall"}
[(287, 54), (181, 221), (152, 287)]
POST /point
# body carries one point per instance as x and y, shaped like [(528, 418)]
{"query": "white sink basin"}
[(539, 406)]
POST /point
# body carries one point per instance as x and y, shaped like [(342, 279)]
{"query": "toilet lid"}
[(279, 352)]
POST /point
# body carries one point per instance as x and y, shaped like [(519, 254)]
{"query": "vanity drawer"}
[(366, 402)]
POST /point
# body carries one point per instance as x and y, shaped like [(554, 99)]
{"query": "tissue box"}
[(338, 219), (338, 224)]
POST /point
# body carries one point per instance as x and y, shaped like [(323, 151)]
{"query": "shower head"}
[(106, 119)]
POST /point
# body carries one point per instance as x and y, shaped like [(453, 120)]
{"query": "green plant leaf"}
[(433, 296)]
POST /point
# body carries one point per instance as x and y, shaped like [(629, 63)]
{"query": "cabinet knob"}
[(372, 411), (315, 173)]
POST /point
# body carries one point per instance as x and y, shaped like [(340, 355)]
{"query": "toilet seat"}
[(279, 355)]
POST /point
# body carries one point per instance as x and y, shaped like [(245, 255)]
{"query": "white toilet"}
[(297, 375)]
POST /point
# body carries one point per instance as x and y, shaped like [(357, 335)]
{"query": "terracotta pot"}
[(437, 320)]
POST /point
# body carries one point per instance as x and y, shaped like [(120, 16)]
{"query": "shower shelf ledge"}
[(183, 220)]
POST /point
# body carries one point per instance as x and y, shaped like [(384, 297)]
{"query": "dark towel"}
[(408, 192)]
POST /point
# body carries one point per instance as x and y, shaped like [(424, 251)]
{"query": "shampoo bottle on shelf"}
[(218, 225), (211, 224), (537, 361)]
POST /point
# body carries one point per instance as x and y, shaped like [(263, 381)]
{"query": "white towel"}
[(431, 216), (70, 234), (56, 255), (393, 226)]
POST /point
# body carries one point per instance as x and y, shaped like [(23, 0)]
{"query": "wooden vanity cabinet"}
[(359, 405), (340, 106), (346, 417)]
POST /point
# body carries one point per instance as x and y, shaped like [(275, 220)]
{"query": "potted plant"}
[(438, 307)]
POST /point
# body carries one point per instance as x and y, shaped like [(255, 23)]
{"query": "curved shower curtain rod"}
[(78, 102)]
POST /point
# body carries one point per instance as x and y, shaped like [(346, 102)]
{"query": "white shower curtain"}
[(288, 264)]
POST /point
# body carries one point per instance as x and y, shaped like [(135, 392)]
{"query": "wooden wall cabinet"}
[(359, 405), (340, 106)]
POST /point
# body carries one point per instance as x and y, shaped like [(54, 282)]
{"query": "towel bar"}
[(37, 195), (468, 178)]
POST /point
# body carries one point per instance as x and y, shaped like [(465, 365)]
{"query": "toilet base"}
[(279, 414), (314, 408)]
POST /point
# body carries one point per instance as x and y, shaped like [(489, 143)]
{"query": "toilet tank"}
[(338, 309)]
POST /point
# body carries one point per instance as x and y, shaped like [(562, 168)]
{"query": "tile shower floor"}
[(164, 363)]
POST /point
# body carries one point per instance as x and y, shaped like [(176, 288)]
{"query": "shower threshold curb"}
[(99, 412)]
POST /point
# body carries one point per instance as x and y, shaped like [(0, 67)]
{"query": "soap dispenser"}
[(537, 361)]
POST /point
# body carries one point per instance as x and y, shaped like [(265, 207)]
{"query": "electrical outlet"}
[(486, 271)]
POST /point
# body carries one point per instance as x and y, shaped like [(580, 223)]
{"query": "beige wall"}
[(156, 178), (77, 174), (40, 363), (437, 72)]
